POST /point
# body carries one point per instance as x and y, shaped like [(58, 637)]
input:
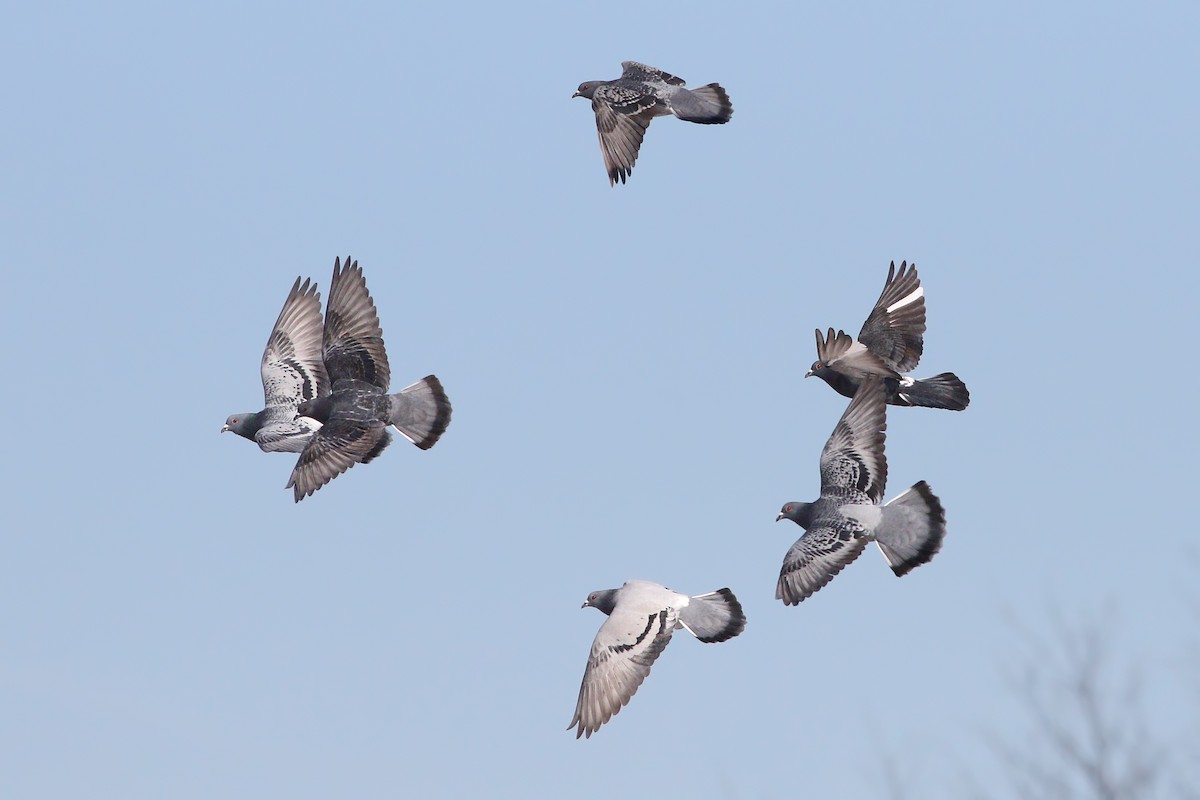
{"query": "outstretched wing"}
[(822, 552), (849, 357), (853, 464), (292, 367), (633, 71), (625, 648), (895, 329), (353, 340), (335, 448), (622, 116)]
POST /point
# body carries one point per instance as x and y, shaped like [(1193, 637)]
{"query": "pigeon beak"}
[(779, 518), (224, 429), (575, 95), (585, 604), (809, 374)]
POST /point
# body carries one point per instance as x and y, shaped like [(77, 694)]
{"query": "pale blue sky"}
[(626, 370)]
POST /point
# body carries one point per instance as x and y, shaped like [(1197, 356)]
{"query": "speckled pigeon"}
[(908, 530), (889, 345), (641, 618), (292, 372), (624, 108), (356, 415)]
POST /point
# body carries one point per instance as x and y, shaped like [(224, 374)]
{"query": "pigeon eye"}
[(234, 420)]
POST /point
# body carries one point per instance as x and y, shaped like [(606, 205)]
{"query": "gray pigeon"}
[(889, 345), (292, 372), (624, 108), (641, 618), (908, 530), (356, 415)]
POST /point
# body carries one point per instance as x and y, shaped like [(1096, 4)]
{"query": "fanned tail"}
[(421, 412)]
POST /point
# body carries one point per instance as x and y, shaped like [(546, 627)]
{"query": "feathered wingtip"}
[(832, 345)]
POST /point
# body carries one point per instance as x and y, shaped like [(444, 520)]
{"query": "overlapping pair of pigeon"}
[(326, 386), (838, 525)]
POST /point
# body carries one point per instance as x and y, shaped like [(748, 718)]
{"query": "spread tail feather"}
[(421, 412), (911, 529), (708, 105), (940, 391), (713, 617)]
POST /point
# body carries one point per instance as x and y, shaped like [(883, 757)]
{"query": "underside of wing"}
[(816, 558), (895, 329), (620, 137), (853, 459), (623, 652), (353, 340), (335, 448), (292, 367)]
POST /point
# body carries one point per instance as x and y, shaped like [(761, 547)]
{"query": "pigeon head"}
[(604, 599), (588, 89), (799, 513), (818, 368), (245, 425), (318, 408)]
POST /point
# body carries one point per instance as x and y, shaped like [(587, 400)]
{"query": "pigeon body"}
[(889, 345), (355, 415), (909, 530), (641, 618), (625, 106), (292, 372)]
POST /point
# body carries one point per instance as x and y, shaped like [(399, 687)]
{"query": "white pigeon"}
[(641, 618)]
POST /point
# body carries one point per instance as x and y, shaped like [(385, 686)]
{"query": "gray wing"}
[(353, 340), (633, 71), (622, 116), (822, 552), (850, 357), (625, 648), (292, 367), (853, 464), (335, 448), (292, 371), (896, 327)]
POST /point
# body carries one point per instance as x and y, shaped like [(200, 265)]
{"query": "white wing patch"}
[(908, 299)]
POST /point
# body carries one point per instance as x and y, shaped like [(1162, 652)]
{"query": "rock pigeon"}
[(908, 530), (641, 618), (624, 108), (889, 345), (292, 372), (356, 414)]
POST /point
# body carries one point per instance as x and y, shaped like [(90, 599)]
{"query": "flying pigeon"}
[(292, 372), (624, 108), (889, 345), (908, 530), (641, 618), (356, 415)]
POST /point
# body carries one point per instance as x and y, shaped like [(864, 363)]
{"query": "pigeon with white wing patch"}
[(889, 345)]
